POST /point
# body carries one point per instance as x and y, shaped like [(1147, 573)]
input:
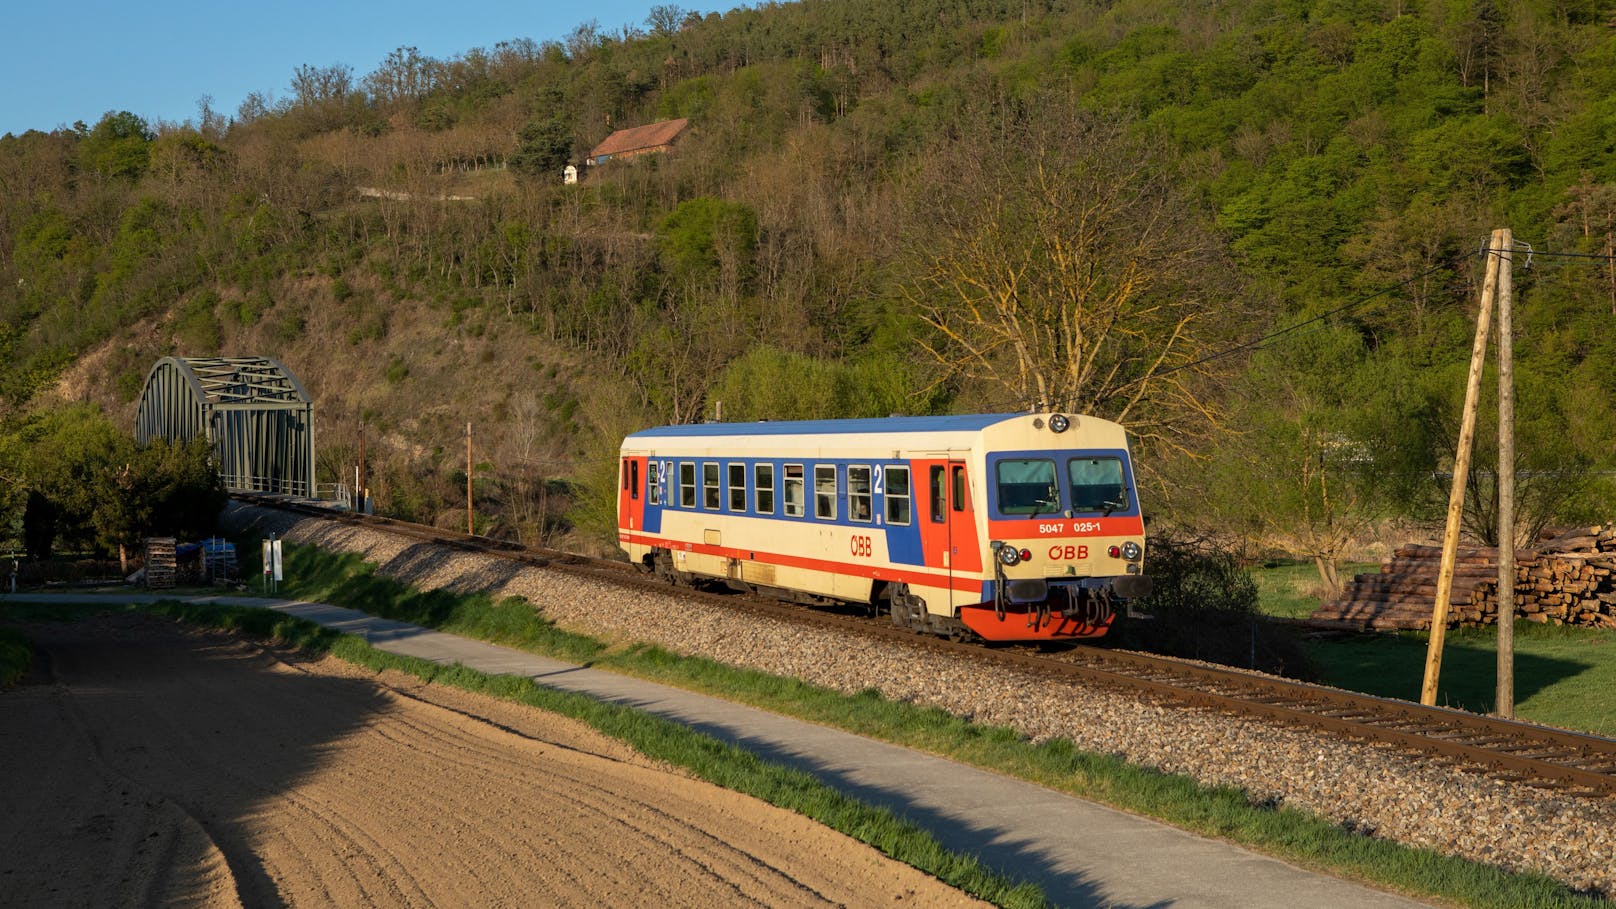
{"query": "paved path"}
[(1082, 854)]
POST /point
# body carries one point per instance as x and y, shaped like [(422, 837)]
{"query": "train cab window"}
[(625, 473), (939, 495), (709, 485), (687, 485), (653, 485), (960, 489), (825, 491), (1097, 485), (897, 496), (1027, 486), (737, 487), (796, 497), (634, 482), (859, 496), (763, 484)]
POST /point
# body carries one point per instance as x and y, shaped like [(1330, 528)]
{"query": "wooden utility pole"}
[(471, 517), (359, 479), (1461, 473), (1504, 701)]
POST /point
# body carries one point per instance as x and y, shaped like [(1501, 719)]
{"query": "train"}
[(1009, 527)]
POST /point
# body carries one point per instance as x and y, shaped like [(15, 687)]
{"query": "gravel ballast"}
[(1367, 788)]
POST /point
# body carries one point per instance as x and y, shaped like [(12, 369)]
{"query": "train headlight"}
[(1131, 551), (1058, 422), (1008, 555)]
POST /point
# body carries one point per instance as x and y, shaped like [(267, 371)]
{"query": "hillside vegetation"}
[(882, 206)]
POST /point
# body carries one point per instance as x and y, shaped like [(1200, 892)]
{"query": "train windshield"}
[(1097, 485), (1027, 486)]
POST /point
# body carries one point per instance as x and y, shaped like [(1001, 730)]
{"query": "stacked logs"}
[(1569, 580), (1401, 596)]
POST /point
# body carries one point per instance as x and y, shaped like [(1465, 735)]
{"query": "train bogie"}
[(1006, 526)]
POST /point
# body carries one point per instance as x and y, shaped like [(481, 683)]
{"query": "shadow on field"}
[(1393, 666), (148, 747)]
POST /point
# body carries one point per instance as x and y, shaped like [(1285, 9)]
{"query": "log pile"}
[(1572, 582), (1401, 596), (1570, 579)]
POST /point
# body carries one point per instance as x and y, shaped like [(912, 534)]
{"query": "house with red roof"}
[(641, 140)]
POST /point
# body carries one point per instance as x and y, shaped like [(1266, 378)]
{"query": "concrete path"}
[(1082, 854)]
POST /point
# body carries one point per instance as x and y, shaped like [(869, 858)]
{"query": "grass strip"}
[(15, 655), (705, 757), (345, 579)]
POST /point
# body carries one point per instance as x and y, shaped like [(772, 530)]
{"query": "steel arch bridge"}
[(253, 410)]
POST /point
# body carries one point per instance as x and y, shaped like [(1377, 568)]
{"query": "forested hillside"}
[(881, 206)]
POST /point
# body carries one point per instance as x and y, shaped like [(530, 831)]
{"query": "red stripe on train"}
[(970, 584)]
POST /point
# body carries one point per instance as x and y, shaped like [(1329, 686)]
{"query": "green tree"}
[(543, 147), (1332, 439), (160, 489), (91, 487), (119, 146)]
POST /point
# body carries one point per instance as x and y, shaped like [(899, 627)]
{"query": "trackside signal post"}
[(1496, 284)]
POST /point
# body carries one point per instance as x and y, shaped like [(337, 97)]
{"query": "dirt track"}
[(160, 766)]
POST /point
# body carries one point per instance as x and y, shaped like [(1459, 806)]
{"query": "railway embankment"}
[(1384, 792)]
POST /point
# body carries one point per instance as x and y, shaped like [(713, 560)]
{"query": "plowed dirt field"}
[(148, 764)]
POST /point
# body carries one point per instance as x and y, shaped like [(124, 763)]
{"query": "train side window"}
[(939, 494), (859, 497), (625, 473), (653, 485), (796, 497), (825, 491), (897, 496), (709, 485), (959, 489), (634, 482), (687, 485), (763, 482), (737, 487)]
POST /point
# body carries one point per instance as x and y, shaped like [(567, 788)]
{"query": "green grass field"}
[(1292, 591), (1563, 676)]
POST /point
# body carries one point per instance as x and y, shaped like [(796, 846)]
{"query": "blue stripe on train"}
[(903, 540)]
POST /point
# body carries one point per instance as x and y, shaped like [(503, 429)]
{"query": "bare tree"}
[(1064, 267), (665, 19)]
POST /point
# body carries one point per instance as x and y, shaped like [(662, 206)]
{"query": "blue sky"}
[(61, 62)]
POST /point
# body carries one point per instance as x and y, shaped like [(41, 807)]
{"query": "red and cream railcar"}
[(1014, 527)]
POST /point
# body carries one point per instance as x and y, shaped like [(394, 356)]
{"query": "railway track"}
[(1511, 751)]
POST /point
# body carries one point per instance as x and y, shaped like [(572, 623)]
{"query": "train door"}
[(950, 506), (632, 488)]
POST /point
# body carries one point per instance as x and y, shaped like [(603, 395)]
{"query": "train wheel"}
[(908, 610), (662, 567)]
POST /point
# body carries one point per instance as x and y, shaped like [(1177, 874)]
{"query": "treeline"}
[(881, 206)]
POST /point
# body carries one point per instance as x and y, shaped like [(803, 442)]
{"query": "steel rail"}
[(1576, 763)]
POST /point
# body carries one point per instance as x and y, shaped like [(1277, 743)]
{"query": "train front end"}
[(1065, 535)]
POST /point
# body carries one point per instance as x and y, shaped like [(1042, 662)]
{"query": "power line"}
[(1289, 329), (1259, 343)]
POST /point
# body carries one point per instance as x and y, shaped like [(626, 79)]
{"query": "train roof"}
[(965, 423)]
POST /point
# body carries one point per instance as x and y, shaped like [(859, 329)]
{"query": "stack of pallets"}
[(161, 564)]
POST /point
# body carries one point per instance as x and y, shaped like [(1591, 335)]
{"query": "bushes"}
[(1204, 606)]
